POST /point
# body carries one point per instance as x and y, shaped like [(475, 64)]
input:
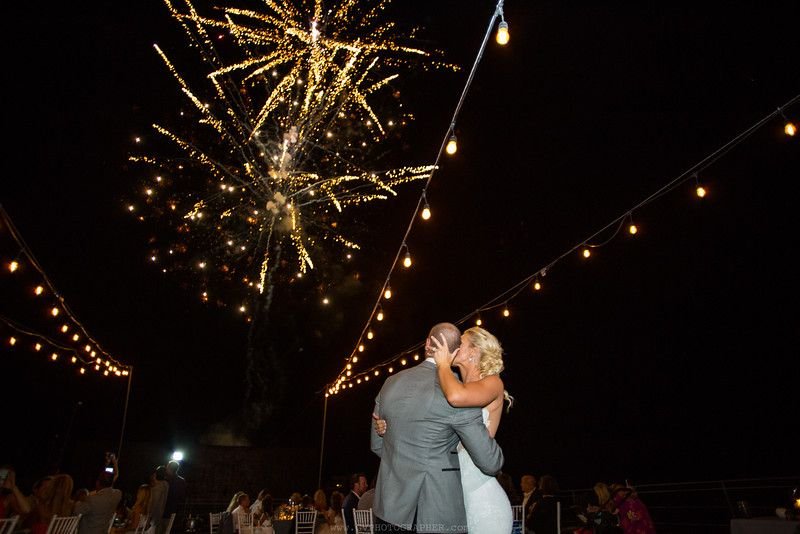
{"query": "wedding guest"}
[(138, 511), (307, 503), (530, 494), (634, 518), (543, 518), (242, 509), (257, 508), (365, 502), (321, 506), (334, 514), (12, 501), (295, 499), (358, 485), (159, 487), (98, 507), (53, 498), (505, 481), (176, 495), (234, 501)]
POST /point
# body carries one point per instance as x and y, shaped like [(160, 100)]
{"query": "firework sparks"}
[(279, 137)]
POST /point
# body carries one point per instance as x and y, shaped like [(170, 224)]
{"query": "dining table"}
[(764, 525)]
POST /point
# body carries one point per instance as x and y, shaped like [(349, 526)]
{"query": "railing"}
[(704, 506)]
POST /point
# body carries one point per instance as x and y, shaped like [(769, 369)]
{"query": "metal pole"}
[(125, 413), (322, 440)]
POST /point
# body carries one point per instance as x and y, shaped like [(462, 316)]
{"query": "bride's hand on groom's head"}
[(441, 353)]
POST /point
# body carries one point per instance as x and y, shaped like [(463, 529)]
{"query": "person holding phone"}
[(12, 501)]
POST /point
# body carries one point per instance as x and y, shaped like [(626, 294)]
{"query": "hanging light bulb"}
[(54, 356), (478, 321), (426, 210), (587, 252), (537, 285), (370, 335), (391, 369), (355, 359), (452, 145), (790, 129), (12, 341), (387, 294), (13, 266), (54, 311), (407, 260), (361, 348), (64, 328), (366, 378), (37, 347), (502, 36), (380, 314), (75, 337), (700, 191), (403, 361), (632, 229), (506, 311), (39, 290)]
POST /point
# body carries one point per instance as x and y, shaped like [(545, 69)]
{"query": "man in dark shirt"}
[(358, 485)]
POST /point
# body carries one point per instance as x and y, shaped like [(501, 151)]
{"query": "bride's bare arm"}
[(462, 395)]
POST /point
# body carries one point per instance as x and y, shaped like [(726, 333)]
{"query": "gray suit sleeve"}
[(483, 449), (375, 441)]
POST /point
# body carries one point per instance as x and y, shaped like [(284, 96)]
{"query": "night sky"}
[(667, 356)]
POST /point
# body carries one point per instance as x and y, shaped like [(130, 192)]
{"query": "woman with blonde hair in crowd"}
[(139, 511), (52, 498), (321, 506), (334, 514)]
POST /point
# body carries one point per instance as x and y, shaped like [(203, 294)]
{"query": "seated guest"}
[(242, 509), (365, 502), (634, 518), (138, 513), (321, 506), (543, 516), (159, 488), (334, 514), (98, 507), (52, 498), (12, 501), (257, 508), (306, 503), (358, 485)]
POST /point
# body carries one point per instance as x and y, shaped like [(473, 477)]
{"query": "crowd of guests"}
[(614, 509), (334, 510), (56, 496)]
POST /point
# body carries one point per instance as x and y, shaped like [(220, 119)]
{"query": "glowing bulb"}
[(701, 191), (587, 253), (633, 229), (54, 312), (355, 359), (377, 372), (75, 337), (790, 129), (131, 208), (326, 301), (12, 341), (361, 348), (105, 373), (349, 366), (202, 265), (370, 335), (403, 361), (366, 378), (426, 212), (358, 381), (65, 328), (388, 293), (37, 347), (502, 33), (74, 359), (407, 260), (96, 367), (87, 348), (348, 373), (478, 321), (242, 309), (149, 192), (380, 315), (391, 369), (416, 357), (537, 286), (54, 356), (506, 312), (452, 145), (13, 266), (39, 290)]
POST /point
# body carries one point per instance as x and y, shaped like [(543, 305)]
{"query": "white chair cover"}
[(363, 520), (64, 525), (304, 522)]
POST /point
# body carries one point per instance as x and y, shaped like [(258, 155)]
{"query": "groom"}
[(419, 483)]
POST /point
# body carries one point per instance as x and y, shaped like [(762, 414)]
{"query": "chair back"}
[(363, 520), (304, 522), (64, 525), (7, 526), (169, 523), (213, 522), (517, 519), (243, 523), (111, 523), (142, 526)]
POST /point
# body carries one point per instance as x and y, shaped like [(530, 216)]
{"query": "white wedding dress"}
[(487, 505)]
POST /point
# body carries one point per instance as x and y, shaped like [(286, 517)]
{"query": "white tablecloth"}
[(764, 525)]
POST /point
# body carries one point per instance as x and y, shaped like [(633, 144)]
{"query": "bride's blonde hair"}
[(491, 353)]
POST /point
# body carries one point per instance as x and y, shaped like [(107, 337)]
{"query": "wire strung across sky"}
[(502, 299)]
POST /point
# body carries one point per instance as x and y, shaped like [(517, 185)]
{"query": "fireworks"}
[(276, 148)]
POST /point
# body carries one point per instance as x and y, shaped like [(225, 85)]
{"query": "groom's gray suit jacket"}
[(419, 473)]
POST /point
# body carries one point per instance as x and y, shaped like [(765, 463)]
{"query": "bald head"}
[(452, 335)]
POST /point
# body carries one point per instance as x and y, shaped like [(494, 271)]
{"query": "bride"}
[(479, 360)]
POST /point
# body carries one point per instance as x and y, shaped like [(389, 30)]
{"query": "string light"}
[(426, 210), (478, 321), (64, 328), (586, 252), (537, 285), (416, 357), (789, 128), (700, 191), (54, 356), (506, 311), (407, 259), (13, 266), (355, 359), (54, 312), (379, 316), (37, 347), (370, 335), (403, 361), (12, 341), (452, 145), (387, 294), (326, 301), (632, 229), (39, 290), (361, 348), (75, 337)]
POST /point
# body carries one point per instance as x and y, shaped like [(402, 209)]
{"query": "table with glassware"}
[(764, 525)]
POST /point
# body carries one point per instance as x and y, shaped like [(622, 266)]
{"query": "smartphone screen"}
[(109, 469)]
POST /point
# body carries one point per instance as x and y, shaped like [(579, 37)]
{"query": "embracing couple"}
[(435, 437)]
